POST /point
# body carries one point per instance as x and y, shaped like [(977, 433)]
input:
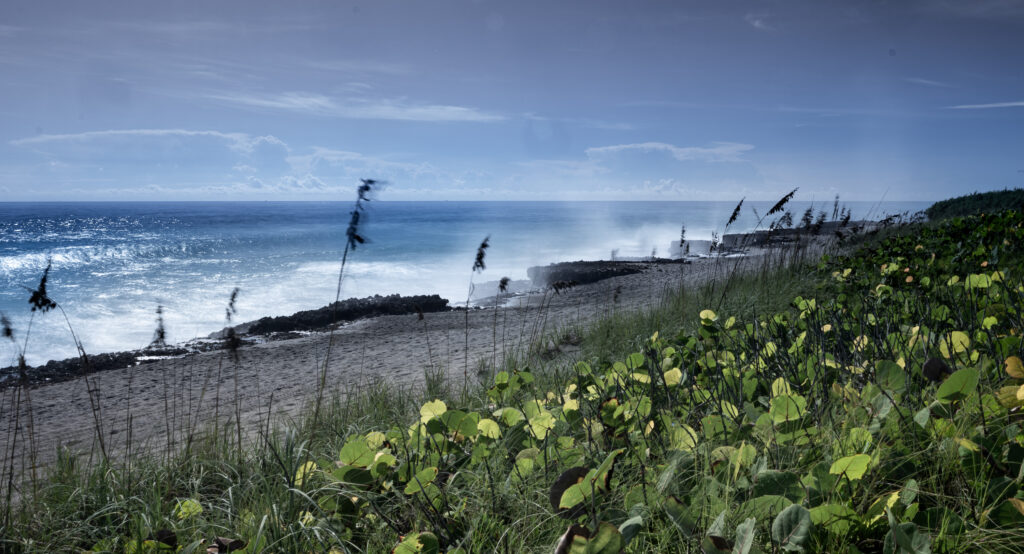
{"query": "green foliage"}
[(792, 528), (877, 412), (976, 203)]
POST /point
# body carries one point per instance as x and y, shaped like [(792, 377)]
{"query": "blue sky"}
[(486, 100)]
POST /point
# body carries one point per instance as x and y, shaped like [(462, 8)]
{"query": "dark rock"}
[(277, 328), (581, 272), (347, 310)]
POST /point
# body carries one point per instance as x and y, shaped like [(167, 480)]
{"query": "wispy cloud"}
[(926, 82), (238, 142), (759, 21), (361, 66), (583, 122), (356, 108), (718, 152), (1018, 104)]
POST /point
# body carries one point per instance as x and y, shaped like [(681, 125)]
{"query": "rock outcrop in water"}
[(581, 272), (346, 310)]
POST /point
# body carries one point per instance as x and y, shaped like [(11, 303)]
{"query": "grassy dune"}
[(866, 402)]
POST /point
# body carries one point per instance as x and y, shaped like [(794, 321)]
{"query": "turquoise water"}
[(113, 263)]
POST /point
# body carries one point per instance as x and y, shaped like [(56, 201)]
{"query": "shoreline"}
[(158, 404), (558, 275)]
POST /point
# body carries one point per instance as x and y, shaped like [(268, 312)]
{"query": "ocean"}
[(114, 263)]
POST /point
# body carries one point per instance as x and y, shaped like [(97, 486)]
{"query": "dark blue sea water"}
[(113, 263)]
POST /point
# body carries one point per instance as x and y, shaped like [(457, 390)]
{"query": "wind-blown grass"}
[(799, 413)]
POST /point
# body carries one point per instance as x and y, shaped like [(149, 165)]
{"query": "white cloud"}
[(357, 108), (719, 152), (328, 157), (239, 142), (360, 66), (583, 122), (759, 21), (1018, 104), (926, 82)]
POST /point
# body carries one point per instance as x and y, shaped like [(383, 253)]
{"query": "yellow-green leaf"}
[(854, 467), (489, 428), (422, 478), (418, 543), (956, 342), (432, 409), (780, 386), (683, 438), (187, 508), (673, 376), (541, 423), (304, 471), (374, 439)]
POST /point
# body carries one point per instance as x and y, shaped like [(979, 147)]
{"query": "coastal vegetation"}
[(976, 203), (862, 400)]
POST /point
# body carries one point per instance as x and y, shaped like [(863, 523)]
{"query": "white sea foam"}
[(110, 286)]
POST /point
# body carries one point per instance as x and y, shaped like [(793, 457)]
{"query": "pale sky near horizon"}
[(488, 100)]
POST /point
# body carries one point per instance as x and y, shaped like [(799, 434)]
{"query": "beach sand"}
[(151, 406)]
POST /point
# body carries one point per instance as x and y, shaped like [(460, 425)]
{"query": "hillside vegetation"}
[(878, 411), (977, 203)]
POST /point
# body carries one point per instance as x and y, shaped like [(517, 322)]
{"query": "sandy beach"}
[(153, 405)]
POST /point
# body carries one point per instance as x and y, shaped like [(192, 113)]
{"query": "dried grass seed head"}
[(782, 202), (39, 299), (8, 329), (735, 214), (481, 252), (353, 238), (231, 309)]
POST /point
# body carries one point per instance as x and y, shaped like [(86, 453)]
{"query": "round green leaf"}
[(854, 467), (956, 342), (418, 543), (356, 453), (489, 428), (958, 386), (606, 540), (890, 376), (432, 409), (787, 407), (792, 528), (422, 478), (187, 508), (836, 518)]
